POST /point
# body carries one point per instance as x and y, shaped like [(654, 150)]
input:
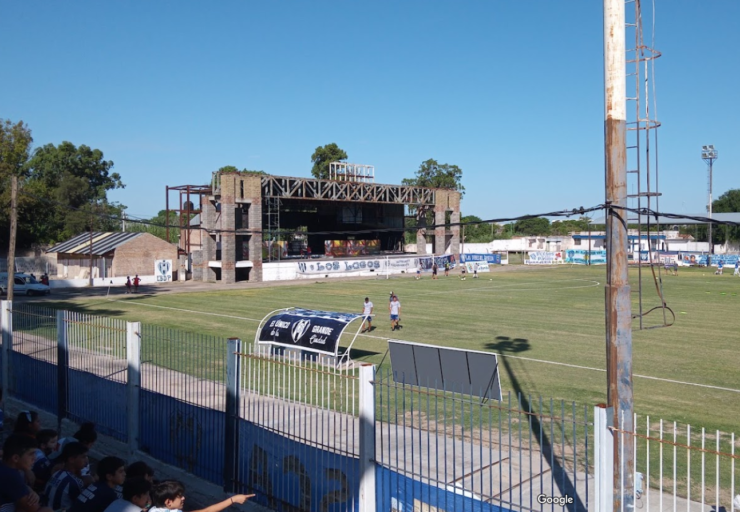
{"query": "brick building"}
[(113, 255), (240, 211)]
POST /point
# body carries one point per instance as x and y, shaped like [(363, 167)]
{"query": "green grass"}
[(544, 314), (537, 316)]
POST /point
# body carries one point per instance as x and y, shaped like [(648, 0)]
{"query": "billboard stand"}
[(307, 330)]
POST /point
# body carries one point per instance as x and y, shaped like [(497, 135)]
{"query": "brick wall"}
[(138, 255)]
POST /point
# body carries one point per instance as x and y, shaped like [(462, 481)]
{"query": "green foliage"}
[(70, 185), (323, 156), (15, 145), (727, 202), (157, 226), (231, 169), (434, 175), (478, 233), (565, 227), (536, 226)]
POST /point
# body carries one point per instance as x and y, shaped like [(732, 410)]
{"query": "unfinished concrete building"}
[(244, 215)]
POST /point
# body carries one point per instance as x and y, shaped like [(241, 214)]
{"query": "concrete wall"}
[(138, 255)]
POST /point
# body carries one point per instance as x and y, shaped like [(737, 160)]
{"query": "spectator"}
[(85, 435), (27, 424), (18, 454), (66, 484), (137, 280), (135, 496), (140, 469), (170, 495), (48, 440), (96, 497), (128, 284)]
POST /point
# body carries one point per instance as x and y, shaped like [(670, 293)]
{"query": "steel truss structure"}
[(330, 190)]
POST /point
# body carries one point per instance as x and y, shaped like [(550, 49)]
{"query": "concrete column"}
[(455, 241), (231, 425), (228, 243), (133, 385), (439, 231), (255, 240), (208, 252), (421, 241), (367, 438), (6, 326)]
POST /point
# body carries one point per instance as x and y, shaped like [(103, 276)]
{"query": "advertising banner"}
[(163, 271), (544, 258), (582, 257), (335, 267), (344, 248), (426, 261), (277, 250), (480, 266), (317, 331), (493, 259), (701, 260)]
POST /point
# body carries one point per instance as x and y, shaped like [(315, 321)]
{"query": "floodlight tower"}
[(709, 155)]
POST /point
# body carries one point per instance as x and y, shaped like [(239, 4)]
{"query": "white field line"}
[(672, 381)]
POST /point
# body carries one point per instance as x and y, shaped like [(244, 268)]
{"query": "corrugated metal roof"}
[(102, 244)]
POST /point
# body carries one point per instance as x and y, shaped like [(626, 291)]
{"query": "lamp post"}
[(709, 155)]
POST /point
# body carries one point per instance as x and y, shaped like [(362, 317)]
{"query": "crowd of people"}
[(39, 472)]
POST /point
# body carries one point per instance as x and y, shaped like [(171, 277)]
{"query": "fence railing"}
[(451, 450), (681, 468), (305, 435)]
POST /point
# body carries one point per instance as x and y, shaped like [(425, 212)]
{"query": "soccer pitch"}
[(548, 323)]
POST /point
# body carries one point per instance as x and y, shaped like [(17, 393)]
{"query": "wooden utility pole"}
[(92, 217), (618, 300), (13, 230)]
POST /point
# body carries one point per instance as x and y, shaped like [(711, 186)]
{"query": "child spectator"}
[(135, 496), (28, 424), (66, 484), (85, 435), (170, 495), (18, 454), (96, 497), (48, 440), (140, 469)]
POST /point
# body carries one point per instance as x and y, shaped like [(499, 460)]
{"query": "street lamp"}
[(709, 155)]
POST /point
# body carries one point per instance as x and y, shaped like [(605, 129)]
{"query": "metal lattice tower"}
[(642, 134)]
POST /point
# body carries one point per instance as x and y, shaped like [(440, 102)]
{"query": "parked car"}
[(24, 284)]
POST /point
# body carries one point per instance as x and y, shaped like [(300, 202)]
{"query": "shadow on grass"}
[(506, 345)]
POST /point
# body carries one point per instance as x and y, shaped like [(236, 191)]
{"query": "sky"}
[(511, 91)]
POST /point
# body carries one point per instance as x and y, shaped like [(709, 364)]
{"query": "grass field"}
[(548, 322)]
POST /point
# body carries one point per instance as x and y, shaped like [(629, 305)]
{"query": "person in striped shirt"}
[(19, 452), (48, 440), (135, 496), (96, 497), (169, 496), (66, 484)]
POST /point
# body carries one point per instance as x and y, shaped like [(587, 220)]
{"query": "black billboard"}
[(317, 331)]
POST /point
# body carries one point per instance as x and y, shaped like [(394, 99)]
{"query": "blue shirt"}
[(42, 467), (12, 487), (62, 490), (95, 498)]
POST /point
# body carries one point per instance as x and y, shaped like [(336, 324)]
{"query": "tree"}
[(157, 226), (727, 202), (535, 226), (433, 175), (323, 156), (15, 145), (478, 233), (71, 184), (565, 227)]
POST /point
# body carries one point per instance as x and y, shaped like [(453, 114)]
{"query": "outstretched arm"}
[(218, 507)]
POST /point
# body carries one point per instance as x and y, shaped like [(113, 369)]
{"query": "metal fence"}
[(451, 450), (299, 430), (681, 468), (191, 369), (34, 343), (96, 366)]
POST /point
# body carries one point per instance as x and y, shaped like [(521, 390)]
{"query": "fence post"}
[(6, 325), (367, 438), (604, 456), (231, 426), (62, 366), (133, 385)]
